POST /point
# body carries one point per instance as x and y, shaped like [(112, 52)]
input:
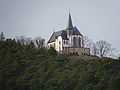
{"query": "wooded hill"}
[(25, 67)]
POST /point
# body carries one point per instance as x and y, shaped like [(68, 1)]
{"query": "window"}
[(66, 42), (79, 41), (70, 32), (74, 41), (59, 42), (54, 44), (76, 53)]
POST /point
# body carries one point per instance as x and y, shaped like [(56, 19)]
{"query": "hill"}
[(25, 67)]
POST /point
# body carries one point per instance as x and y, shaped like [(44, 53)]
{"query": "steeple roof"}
[(70, 25)]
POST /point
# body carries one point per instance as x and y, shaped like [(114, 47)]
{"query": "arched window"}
[(66, 42), (54, 44), (59, 42), (79, 41), (74, 41)]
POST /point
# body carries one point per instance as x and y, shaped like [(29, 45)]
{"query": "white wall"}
[(59, 42)]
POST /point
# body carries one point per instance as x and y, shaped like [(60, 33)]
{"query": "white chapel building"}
[(68, 41)]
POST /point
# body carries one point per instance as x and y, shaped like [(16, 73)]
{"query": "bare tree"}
[(27, 41), (2, 38), (40, 42), (88, 43), (94, 49), (21, 39), (104, 48), (100, 48)]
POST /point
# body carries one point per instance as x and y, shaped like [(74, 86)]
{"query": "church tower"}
[(70, 26)]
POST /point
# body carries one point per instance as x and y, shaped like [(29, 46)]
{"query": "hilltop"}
[(25, 67)]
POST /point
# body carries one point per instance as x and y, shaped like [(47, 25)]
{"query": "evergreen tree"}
[(25, 67), (2, 38)]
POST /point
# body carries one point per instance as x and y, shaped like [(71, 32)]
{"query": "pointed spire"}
[(70, 25)]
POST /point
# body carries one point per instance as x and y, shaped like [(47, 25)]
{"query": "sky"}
[(98, 19)]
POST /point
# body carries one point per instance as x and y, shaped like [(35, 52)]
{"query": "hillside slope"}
[(23, 67)]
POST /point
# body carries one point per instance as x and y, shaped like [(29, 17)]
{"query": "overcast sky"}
[(98, 19)]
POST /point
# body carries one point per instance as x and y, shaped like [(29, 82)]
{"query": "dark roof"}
[(63, 34), (70, 25), (76, 31)]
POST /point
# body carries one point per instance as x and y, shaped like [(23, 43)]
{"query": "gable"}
[(55, 35), (76, 31)]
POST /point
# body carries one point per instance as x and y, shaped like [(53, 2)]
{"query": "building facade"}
[(68, 41)]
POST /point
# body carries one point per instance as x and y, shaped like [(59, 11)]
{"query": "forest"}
[(25, 67)]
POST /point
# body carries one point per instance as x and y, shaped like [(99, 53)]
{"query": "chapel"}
[(68, 41)]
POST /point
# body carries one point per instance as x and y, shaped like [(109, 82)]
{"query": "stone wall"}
[(79, 51)]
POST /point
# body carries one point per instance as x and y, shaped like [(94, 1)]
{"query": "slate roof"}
[(63, 34), (76, 31), (70, 25)]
